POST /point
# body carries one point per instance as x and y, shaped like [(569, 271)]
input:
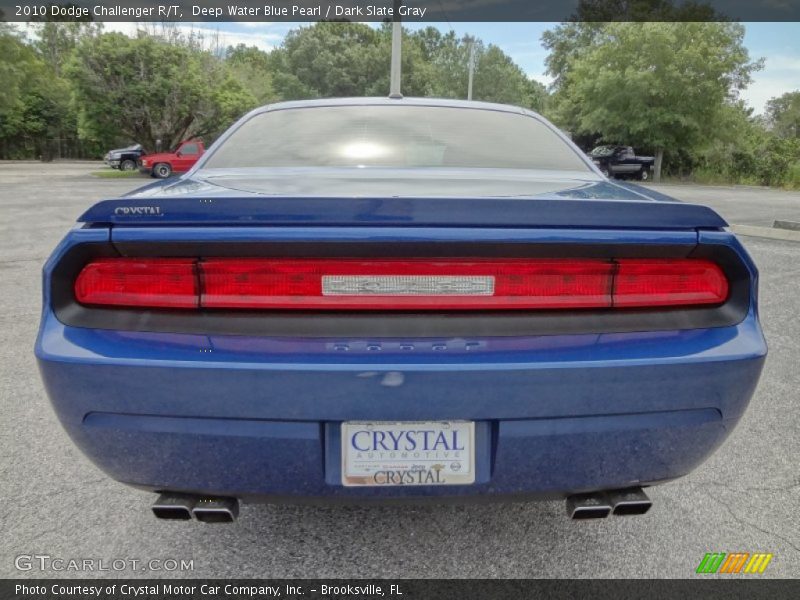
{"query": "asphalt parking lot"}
[(54, 502)]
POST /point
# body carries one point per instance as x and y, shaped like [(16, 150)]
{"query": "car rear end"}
[(384, 348), (219, 386)]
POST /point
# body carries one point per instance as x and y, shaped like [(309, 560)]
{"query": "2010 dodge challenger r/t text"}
[(398, 299)]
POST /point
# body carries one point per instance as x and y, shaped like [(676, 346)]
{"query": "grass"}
[(709, 177), (115, 174)]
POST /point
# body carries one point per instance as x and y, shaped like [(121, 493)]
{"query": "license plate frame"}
[(443, 453)]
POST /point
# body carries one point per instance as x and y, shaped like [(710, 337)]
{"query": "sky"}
[(777, 43)]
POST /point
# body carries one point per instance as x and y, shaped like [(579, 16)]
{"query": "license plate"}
[(408, 453)]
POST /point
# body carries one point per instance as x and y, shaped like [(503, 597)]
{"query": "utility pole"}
[(471, 67), (397, 48)]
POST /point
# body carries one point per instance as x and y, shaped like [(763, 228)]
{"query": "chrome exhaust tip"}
[(588, 506), (216, 510), (630, 501), (174, 507)]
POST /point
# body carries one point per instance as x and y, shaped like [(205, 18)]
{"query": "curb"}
[(786, 235), (792, 225)]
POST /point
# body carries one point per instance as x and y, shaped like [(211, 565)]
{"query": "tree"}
[(15, 68), (447, 57), (497, 77), (335, 59), (653, 85), (86, 90), (34, 100), (251, 67), (327, 59), (56, 41), (579, 33), (152, 89), (783, 114)]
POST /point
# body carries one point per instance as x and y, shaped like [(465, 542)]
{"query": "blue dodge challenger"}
[(398, 299)]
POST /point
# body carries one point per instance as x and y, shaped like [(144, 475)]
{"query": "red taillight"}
[(146, 282), (405, 284), (646, 283), (400, 284)]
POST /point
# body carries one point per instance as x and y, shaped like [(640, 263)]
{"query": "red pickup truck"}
[(164, 164)]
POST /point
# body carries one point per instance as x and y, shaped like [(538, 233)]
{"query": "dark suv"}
[(622, 162), (124, 159)]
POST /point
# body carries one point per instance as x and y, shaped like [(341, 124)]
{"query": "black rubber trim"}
[(397, 324), (401, 249)]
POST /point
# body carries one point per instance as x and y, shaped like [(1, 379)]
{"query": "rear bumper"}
[(260, 417), (267, 460)]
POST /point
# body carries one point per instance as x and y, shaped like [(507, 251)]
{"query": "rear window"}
[(395, 136)]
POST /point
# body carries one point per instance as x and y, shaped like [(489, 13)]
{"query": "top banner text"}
[(413, 11)]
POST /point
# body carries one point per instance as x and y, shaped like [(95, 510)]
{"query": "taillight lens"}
[(405, 284), (146, 282), (646, 283), (400, 284)]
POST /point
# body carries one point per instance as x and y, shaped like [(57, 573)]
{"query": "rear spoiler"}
[(411, 212)]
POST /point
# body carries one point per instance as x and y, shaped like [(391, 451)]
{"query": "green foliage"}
[(653, 84), (497, 78), (73, 90), (56, 41), (326, 60), (15, 68), (151, 89), (793, 175), (783, 114), (745, 152), (98, 90), (115, 174), (334, 59), (34, 105), (670, 86), (661, 86), (251, 67)]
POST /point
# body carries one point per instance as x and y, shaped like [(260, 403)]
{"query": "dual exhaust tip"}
[(598, 505), (182, 507)]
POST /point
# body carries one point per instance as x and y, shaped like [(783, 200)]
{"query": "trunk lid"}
[(400, 212), (399, 198)]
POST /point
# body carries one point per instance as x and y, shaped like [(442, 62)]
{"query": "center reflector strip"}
[(406, 285)]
